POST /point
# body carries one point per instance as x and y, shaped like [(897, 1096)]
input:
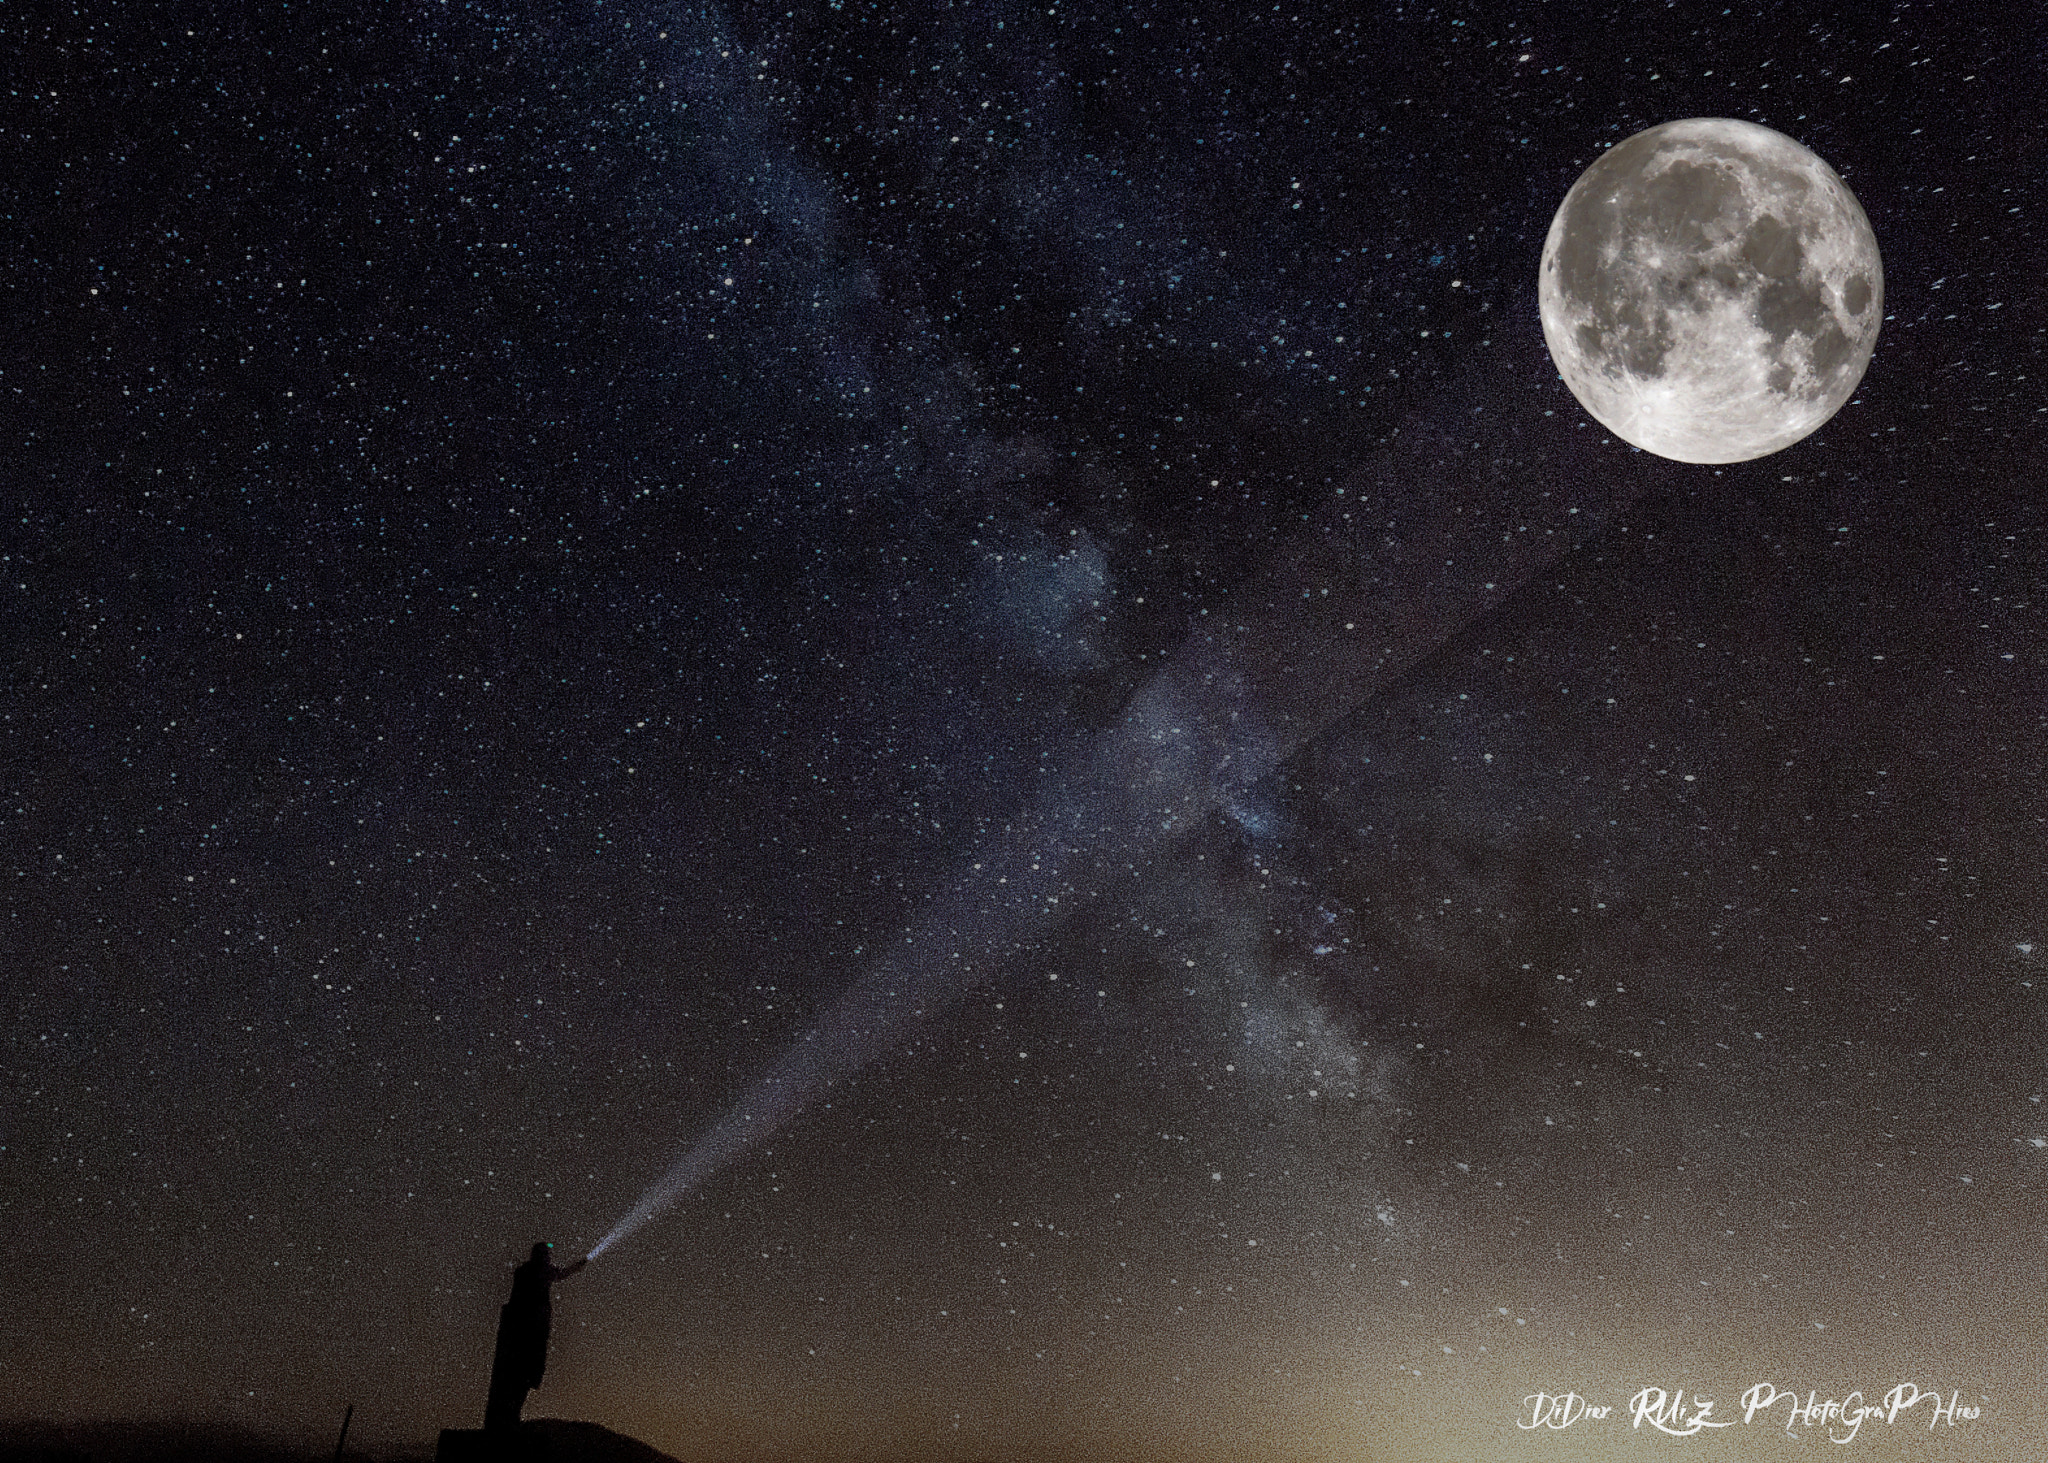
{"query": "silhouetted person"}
[(523, 1337)]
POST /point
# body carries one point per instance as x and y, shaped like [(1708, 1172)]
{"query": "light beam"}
[(1384, 580)]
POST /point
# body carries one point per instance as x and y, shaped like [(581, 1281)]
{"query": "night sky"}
[(547, 545)]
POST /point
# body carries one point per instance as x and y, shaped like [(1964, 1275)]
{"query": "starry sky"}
[(553, 550)]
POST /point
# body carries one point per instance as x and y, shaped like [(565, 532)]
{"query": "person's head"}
[(542, 1251)]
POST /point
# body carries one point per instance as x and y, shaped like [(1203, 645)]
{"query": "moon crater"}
[(1711, 290)]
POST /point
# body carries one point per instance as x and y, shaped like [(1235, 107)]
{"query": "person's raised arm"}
[(567, 1271)]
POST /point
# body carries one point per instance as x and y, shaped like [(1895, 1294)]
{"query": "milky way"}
[(986, 635)]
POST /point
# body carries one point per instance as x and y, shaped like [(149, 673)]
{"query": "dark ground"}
[(182, 1442)]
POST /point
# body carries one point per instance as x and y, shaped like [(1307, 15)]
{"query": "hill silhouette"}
[(586, 1442), (551, 1440), (169, 1440), (555, 1440)]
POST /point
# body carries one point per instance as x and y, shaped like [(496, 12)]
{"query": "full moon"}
[(1710, 290)]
